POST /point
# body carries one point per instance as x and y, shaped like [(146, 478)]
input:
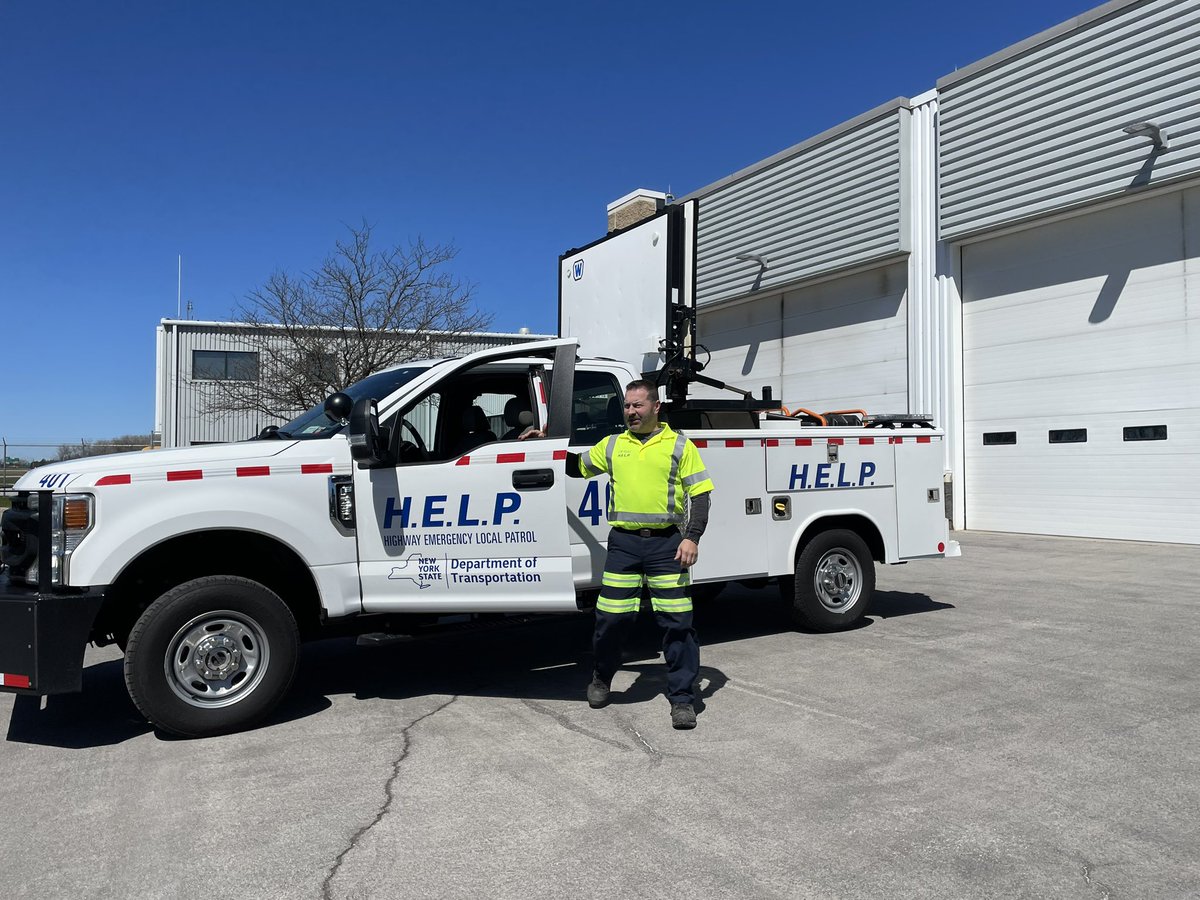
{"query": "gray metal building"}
[(192, 357), (1016, 252)]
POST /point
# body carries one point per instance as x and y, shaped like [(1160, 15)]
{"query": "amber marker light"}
[(77, 514)]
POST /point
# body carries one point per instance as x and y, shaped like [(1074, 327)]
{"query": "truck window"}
[(466, 411), (418, 428), (315, 424), (596, 408)]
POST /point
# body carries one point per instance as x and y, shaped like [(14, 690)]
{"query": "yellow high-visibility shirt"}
[(649, 480)]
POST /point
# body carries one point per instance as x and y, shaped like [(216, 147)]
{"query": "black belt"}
[(648, 532)]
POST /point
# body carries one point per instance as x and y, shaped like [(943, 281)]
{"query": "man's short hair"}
[(641, 384)]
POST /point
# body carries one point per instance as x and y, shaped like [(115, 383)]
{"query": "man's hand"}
[(687, 553), (531, 433)]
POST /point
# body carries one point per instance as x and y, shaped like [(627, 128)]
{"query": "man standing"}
[(652, 469)]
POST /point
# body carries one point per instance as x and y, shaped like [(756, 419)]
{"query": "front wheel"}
[(211, 656), (834, 582)]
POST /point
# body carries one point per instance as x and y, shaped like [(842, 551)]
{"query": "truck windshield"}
[(315, 424)]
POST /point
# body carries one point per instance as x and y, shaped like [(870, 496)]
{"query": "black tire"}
[(834, 582), (211, 656)]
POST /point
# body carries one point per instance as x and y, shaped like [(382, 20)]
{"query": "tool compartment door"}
[(922, 529), (734, 546)]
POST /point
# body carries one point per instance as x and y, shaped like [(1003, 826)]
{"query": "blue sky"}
[(245, 136)]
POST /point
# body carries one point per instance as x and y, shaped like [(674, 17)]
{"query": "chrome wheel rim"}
[(838, 580), (217, 659)]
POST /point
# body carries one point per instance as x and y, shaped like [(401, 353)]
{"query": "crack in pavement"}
[(389, 796), (1087, 869), (1105, 890), (566, 723), (656, 755)]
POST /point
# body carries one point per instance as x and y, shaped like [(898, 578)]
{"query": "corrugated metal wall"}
[(829, 203), (1038, 128), (199, 421), (186, 411)]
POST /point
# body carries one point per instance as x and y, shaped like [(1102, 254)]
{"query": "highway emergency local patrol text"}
[(431, 512)]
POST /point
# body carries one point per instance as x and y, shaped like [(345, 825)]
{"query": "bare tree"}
[(122, 444), (361, 311)]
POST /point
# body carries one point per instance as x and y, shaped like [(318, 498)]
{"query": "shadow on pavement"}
[(100, 716), (544, 659), (890, 604)]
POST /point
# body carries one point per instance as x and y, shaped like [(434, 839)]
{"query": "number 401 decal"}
[(51, 481), (590, 508)]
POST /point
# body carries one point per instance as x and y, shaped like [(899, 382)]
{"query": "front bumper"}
[(43, 636)]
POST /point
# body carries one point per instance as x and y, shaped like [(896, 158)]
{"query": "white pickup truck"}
[(400, 502)]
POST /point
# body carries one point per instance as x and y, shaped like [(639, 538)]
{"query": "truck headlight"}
[(71, 518)]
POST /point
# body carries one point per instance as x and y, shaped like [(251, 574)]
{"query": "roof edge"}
[(267, 326), (836, 131), (1080, 21)]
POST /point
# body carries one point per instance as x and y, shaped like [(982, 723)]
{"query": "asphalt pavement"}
[(1020, 722)]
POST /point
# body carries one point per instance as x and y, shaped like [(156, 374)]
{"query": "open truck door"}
[(453, 513)]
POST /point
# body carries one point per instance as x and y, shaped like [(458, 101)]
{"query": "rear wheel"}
[(211, 656), (834, 582)]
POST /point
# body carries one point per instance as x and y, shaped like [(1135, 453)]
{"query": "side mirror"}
[(271, 431), (338, 407), (367, 444)]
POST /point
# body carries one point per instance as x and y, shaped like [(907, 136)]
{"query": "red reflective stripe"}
[(510, 457), (735, 443), (866, 440), (316, 468), (463, 461), (700, 444), (803, 442), (772, 442), (113, 479), (838, 441), (560, 454), (251, 471), (17, 681), (922, 440), (542, 390), (185, 475), (896, 440)]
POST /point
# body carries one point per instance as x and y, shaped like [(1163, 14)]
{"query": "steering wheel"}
[(419, 446)]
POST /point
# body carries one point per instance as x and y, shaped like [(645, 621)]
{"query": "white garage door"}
[(1081, 367), (840, 344)]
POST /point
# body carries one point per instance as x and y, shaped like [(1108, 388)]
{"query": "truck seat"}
[(476, 431)]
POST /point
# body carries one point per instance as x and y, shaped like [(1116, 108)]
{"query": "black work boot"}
[(682, 716), (597, 693)]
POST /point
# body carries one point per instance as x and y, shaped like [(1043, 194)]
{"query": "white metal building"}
[(1016, 252), (192, 357)]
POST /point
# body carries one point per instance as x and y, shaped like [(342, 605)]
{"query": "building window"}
[(224, 365), (1146, 433), (991, 438), (1068, 436)]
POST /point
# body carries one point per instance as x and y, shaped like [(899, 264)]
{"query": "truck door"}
[(459, 518)]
